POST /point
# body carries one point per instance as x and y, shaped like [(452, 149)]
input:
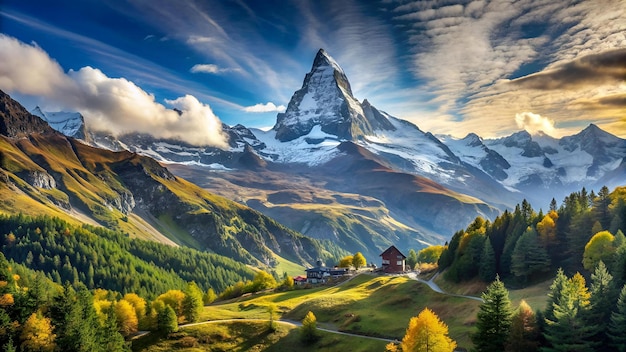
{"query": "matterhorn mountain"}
[(337, 168), (326, 100)]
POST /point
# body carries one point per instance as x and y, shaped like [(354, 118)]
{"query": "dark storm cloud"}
[(606, 67)]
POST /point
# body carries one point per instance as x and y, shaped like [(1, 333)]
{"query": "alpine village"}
[(338, 228)]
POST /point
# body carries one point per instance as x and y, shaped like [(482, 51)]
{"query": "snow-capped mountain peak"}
[(326, 99), (71, 124)]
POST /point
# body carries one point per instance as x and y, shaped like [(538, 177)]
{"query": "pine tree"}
[(487, 266), (426, 333), (524, 334), (493, 319), (529, 257), (618, 323)]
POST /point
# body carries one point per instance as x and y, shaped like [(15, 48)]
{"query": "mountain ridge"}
[(57, 175)]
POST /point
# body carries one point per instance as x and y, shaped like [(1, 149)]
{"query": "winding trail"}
[(433, 286), (412, 275), (286, 322)]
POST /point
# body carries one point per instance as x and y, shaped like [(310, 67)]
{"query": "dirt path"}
[(433, 286), (287, 322)]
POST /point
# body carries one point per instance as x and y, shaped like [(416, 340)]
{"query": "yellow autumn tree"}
[(426, 333), (126, 318), (345, 262), (546, 228), (174, 299), (37, 334), (138, 303)]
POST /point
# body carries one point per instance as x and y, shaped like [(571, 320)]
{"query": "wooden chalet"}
[(393, 260)]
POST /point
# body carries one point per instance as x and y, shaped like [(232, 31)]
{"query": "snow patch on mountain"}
[(315, 148)]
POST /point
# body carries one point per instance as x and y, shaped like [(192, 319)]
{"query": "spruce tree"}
[(567, 330), (493, 319), (111, 339), (601, 302), (487, 265), (617, 327), (528, 256), (555, 294)]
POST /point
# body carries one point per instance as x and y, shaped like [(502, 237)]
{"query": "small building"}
[(393, 260), (321, 273), (299, 280), (318, 274)]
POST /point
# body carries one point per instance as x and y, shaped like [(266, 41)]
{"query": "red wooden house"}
[(393, 260)]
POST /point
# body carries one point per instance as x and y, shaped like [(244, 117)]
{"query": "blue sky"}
[(453, 67)]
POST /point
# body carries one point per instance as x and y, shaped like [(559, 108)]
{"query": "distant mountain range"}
[(336, 168)]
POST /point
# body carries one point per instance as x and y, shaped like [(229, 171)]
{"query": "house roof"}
[(389, 250), (322, 269)]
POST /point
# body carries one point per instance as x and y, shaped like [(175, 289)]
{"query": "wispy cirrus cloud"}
[(487, 62), (210, 68)]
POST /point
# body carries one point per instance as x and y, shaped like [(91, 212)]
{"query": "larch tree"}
[(524, 335), (126, 317), (493, 319), (426, 333), (192, 303), (308, 330), (345, 262), (358, 260), (618, 323), (209, 297), (37, 334)]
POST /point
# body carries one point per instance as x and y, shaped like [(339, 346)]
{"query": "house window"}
[(399, 262), (399, 257), (385, 261)]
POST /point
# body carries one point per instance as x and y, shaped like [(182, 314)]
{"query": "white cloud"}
[(110, 104), (534, 123), (267, 107), (210, 68), (29, 69)]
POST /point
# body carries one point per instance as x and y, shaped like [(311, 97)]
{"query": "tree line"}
[(522, 246), (100, 258)]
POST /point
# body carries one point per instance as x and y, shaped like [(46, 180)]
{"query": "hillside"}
[(56, 175)]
